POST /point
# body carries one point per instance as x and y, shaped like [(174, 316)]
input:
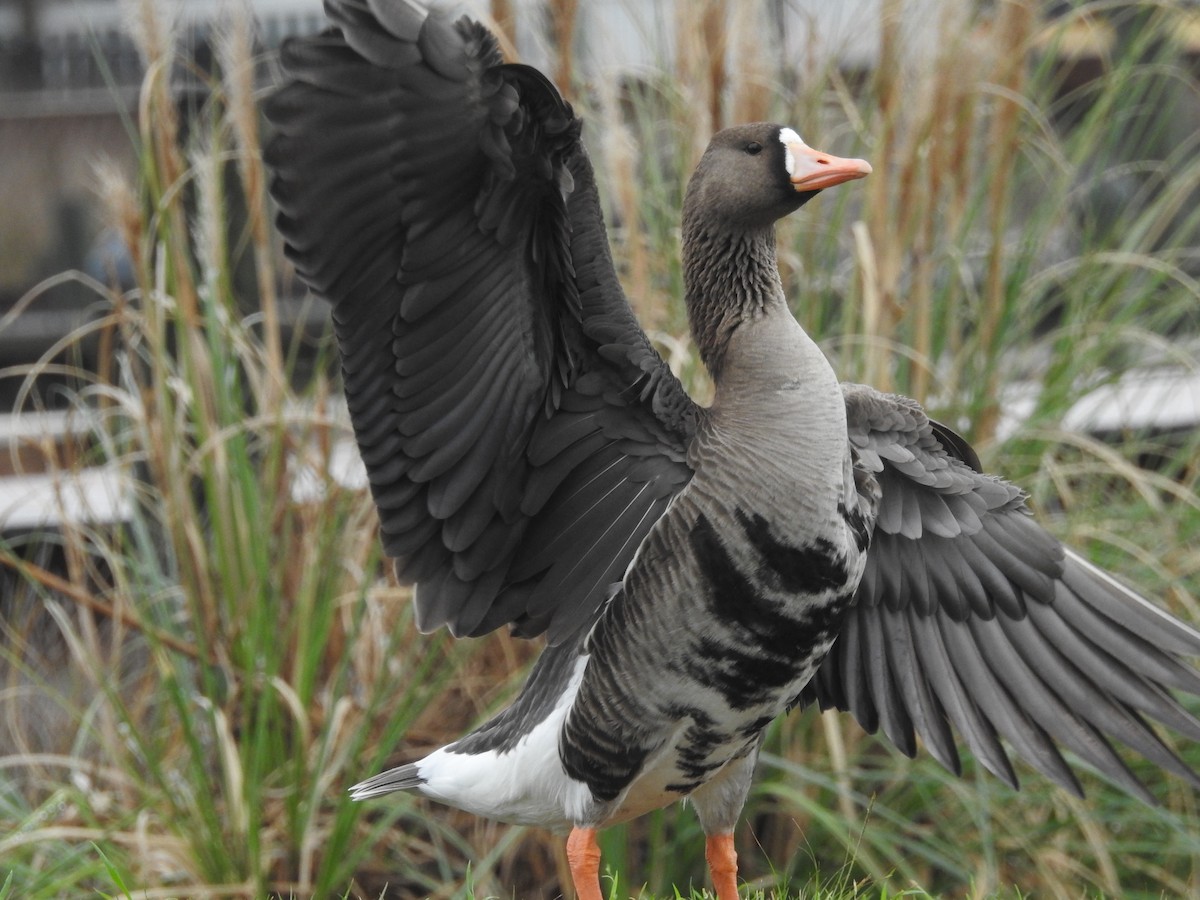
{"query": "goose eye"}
[(754, 148)]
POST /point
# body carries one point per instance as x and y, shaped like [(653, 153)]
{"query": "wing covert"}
[(442, 201), (971, 618)]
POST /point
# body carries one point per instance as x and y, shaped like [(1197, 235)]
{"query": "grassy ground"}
[(185, 709)]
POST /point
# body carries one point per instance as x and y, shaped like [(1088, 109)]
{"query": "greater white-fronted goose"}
[(536, 464)]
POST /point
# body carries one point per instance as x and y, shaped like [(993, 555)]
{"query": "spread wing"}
[(972, 618), (519, 431)]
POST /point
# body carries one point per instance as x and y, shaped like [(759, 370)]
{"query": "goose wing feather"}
[(973, 619), (503, 396)]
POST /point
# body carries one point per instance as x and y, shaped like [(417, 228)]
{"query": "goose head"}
[(750, 176)]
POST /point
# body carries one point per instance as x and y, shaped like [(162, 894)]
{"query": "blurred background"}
[(199, 645)]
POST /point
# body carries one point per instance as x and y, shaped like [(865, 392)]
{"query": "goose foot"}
[(722, 865), (583, 856)]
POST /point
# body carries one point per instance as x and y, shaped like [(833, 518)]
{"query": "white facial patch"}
[(786, 137)]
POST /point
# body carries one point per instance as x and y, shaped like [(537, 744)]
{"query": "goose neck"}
[(730, 277)]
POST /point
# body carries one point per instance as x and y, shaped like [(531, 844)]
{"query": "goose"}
[(696, 571)]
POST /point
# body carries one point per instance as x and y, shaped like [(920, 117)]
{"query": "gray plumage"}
[(536, 464)]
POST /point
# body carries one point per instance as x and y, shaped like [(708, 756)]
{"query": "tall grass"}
[(225, 664), (237, 660)]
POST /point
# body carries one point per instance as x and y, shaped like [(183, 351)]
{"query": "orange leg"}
[(583, 855), (722, 864)]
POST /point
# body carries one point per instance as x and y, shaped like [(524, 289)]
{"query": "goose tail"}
[(402, 778)]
